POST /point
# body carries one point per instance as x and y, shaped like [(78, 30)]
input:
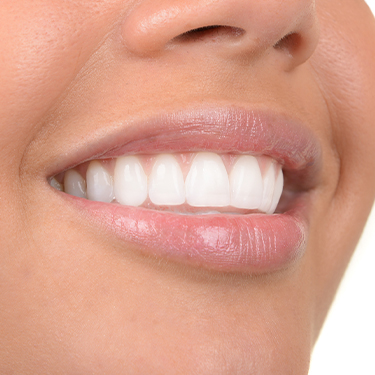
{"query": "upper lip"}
[(221, 129)]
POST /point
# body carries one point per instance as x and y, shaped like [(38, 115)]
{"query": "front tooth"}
[(246, 183), (207, 183), (268, 188), (99, 183), (130, 181), (166, 182), (74, 184), (277, 192)]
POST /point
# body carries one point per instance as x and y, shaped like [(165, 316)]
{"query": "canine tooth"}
[(268, 188), (277, 192), (130, 181), (99, 183), (74, 184), (166, 182), (55, 184), (207, 183), (246, 183)]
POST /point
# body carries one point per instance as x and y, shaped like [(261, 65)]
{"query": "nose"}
[(289, 27)]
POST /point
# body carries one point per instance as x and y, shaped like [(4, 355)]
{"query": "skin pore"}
[(75, 299)]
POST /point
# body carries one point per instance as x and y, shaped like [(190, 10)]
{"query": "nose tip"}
[(243, 26)]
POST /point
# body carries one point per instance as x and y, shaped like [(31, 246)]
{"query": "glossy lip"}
[(255, 243)]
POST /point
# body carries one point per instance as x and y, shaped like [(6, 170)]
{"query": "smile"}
[(182, 183), (201, 187)]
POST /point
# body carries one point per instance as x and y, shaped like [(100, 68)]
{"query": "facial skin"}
[(74, 298)]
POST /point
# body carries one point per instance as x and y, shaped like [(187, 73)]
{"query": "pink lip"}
[(249, 243)]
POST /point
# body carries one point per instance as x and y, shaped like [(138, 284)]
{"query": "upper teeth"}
[(253, 183), (207, 183)]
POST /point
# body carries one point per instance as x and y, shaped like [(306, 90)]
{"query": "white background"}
[(346, 345)]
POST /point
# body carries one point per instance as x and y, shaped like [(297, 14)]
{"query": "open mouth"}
[(202, 187)]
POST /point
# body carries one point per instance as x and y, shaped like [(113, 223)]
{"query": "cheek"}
[(343, 64), (46, 44)]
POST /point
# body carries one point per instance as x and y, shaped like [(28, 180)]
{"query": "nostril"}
[(290, 43), (212, 32)]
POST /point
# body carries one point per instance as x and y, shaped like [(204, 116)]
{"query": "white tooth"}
[(207, 183), (55, 184), (130, 181), (279, 185), (246, 183), (166, 182), (74, 184), (99, 183), (268, 188)]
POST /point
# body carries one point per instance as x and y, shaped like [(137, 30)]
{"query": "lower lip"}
[(254, 243)]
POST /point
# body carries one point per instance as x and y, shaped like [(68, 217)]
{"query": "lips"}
[(250, 243)]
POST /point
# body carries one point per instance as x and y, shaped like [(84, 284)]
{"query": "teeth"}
[(246, 183), (207, 183), (55, 184), (130, 181), (254, 183), (167, 185), (279, 185), (74, 184), (99, 183), (268, 188)]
